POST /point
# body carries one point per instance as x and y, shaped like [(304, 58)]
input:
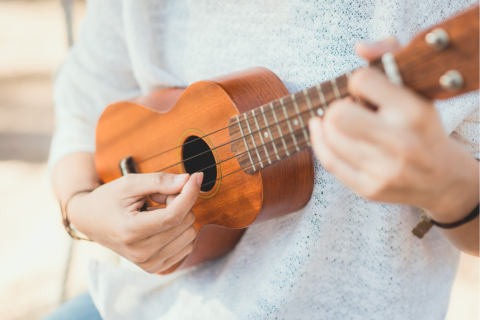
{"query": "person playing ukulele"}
[(350, 253)]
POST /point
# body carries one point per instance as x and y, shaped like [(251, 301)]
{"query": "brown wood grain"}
[(131, 129), (279, 198), (269, 133), (421, 65)]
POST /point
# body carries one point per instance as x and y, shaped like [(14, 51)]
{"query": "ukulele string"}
[(248, 150), (213, 181), (227, 143), (227, 127), (235, 156)]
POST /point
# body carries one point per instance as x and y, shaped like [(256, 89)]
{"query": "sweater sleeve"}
[(96, 73)]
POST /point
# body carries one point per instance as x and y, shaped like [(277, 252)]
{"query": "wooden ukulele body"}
[(237, 200)]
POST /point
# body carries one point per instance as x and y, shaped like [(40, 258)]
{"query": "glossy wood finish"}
[(279, 129), (421, 65), (278, 180), (237, 200)]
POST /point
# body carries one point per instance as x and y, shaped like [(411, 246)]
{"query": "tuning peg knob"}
[(437, 38), (452, 80)]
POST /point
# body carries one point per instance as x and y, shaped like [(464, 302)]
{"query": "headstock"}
[(444, 61)]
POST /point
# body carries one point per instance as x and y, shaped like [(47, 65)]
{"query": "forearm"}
[(464, 237), (74, 173)]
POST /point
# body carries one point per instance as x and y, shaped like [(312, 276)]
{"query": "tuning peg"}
[(437, 38), (452, 80)]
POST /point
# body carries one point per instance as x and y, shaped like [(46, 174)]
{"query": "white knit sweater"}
[(341, 257)]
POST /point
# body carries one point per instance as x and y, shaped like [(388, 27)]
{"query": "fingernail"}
[(180, 177), (199, 178)]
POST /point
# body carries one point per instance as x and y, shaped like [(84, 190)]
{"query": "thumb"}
[(185, 200), (373, 51), (150, 183)]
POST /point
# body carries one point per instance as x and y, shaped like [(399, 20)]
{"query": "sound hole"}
[(203, 158)]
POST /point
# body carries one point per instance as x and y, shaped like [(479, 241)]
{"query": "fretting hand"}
[(154, 239), (399, 153)]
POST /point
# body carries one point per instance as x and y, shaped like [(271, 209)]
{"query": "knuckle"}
[(328, 163), (335, 116), (190, 218), (128, 237), (329, 133), (191, 233), (373, 192), (149, 267), (174, 219), (189, 247), (151, 270), (126, 181), (358, 79), (157, 177), (139, 257), (417, 118), (407, 148)]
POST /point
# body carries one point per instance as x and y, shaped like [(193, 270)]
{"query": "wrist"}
[(460, 196), (73, 217)]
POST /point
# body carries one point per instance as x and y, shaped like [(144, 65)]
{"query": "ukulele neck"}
[(267, 134), (439, 63)]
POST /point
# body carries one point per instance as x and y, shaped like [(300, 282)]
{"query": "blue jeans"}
[(79, 308)]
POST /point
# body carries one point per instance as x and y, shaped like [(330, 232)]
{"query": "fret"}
[(309, 103), (270, 133), (261, 137), (279, 129), (335, 88), (301, 120), (289, 124), (246, 145), (320, 112), (253, 139)]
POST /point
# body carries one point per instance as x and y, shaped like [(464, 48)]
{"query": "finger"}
[(327, 157), (372, 85), (163, 198), (179, 207), (179, 256), (355, 121), (170, 198), (157, 241), (358, 153), (155, 262), (150, 183), (148, 223), (373, 51)]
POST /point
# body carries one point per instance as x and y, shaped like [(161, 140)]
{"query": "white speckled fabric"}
[(341, 257)]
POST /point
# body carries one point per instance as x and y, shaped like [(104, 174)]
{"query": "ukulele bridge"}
[(127, 165)]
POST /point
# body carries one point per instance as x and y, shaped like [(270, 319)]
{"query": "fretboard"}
[(276, 130), (433, 65)]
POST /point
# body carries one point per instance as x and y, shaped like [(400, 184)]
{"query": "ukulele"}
[(249, 136)]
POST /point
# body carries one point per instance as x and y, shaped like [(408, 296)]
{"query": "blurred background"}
[(39, 264)]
